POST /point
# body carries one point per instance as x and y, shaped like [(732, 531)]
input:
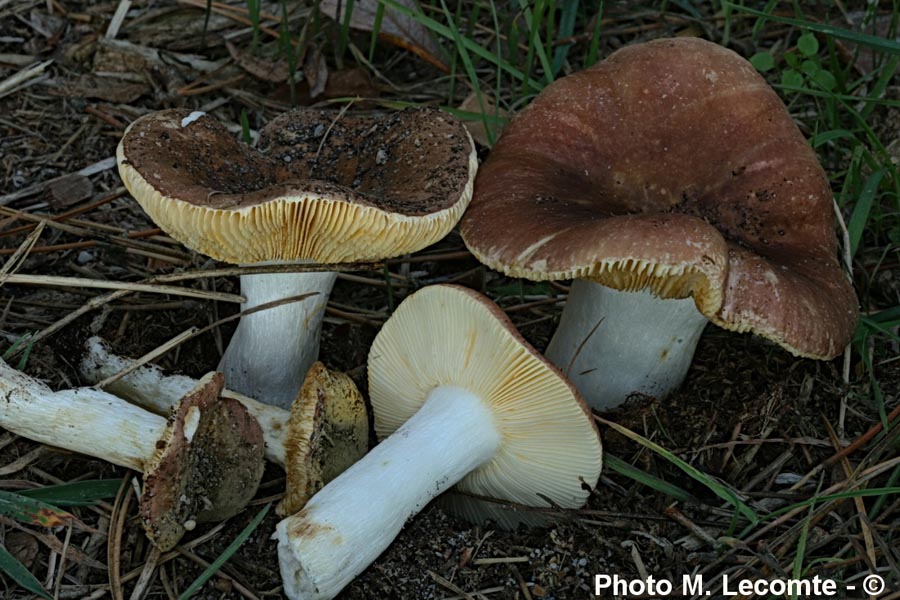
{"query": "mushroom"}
[(459, 398), (671, 184), (323, 188), (201, 464), (326, 430)]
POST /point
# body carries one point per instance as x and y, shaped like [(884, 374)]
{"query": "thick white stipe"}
[(83, 420), (354, 518), (642, 344), (272, 350)]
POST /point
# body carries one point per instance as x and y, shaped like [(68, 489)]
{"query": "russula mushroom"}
[(323, 187), (201, 464), (326, 430), (671, 183), (461, 399)]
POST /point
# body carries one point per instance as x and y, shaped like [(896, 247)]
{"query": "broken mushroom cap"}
[(324, 186), (204, 463), (206, 467), (446, 335), (670, 166), (328, 431)]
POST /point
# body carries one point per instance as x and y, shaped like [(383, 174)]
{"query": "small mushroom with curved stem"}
[(671, 183), (460, 399), (326, 430), (324, 187), (201, 464)]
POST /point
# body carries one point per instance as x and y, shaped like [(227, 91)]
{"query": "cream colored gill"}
[(444, 336)]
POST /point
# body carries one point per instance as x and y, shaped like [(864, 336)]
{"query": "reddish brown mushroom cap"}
[(671, 165), (206, 467)]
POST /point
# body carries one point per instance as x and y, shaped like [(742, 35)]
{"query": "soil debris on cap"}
[(206, 467)]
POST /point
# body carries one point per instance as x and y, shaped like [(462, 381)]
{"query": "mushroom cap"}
[(324, 186), (446, 335), (206, 467), (673, 166), (327, 431)]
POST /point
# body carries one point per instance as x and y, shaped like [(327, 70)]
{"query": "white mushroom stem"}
[(83, 420), (150, 388), (612, 344), (354, 518), (272, 350)]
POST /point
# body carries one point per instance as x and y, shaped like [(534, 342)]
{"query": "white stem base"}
[(272, 350), (643, 344), (152, 389), (354, 518), (83, 420)]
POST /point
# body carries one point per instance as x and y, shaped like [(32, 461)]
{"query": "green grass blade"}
[(889, 316), (206, 15), (376, 28), (470, 71), (253, 9), (14, 349), (625, 469), (886, 76), (718, 488), (869, 41), (867, 493), (287, 49), (843, 97), (797, 569), (566, 29), (761, 22), (226, 554), (828, 136), (594, 49), (31, 511), (24, 359), (345, 27), (80, 493), (19, 574), (535, 44), (883, 329), (882, 500), (860, 216), (471, 46)]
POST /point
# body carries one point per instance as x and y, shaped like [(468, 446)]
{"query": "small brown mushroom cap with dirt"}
[(326, 430), (204, 463)]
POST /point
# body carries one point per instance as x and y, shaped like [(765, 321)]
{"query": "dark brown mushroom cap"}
[(324, 186), (206, 467), (671, 165)]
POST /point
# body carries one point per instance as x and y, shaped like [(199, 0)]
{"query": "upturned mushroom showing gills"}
[(203, 463), (670, 182), (323, 187), (326, 430), (459, 398)]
